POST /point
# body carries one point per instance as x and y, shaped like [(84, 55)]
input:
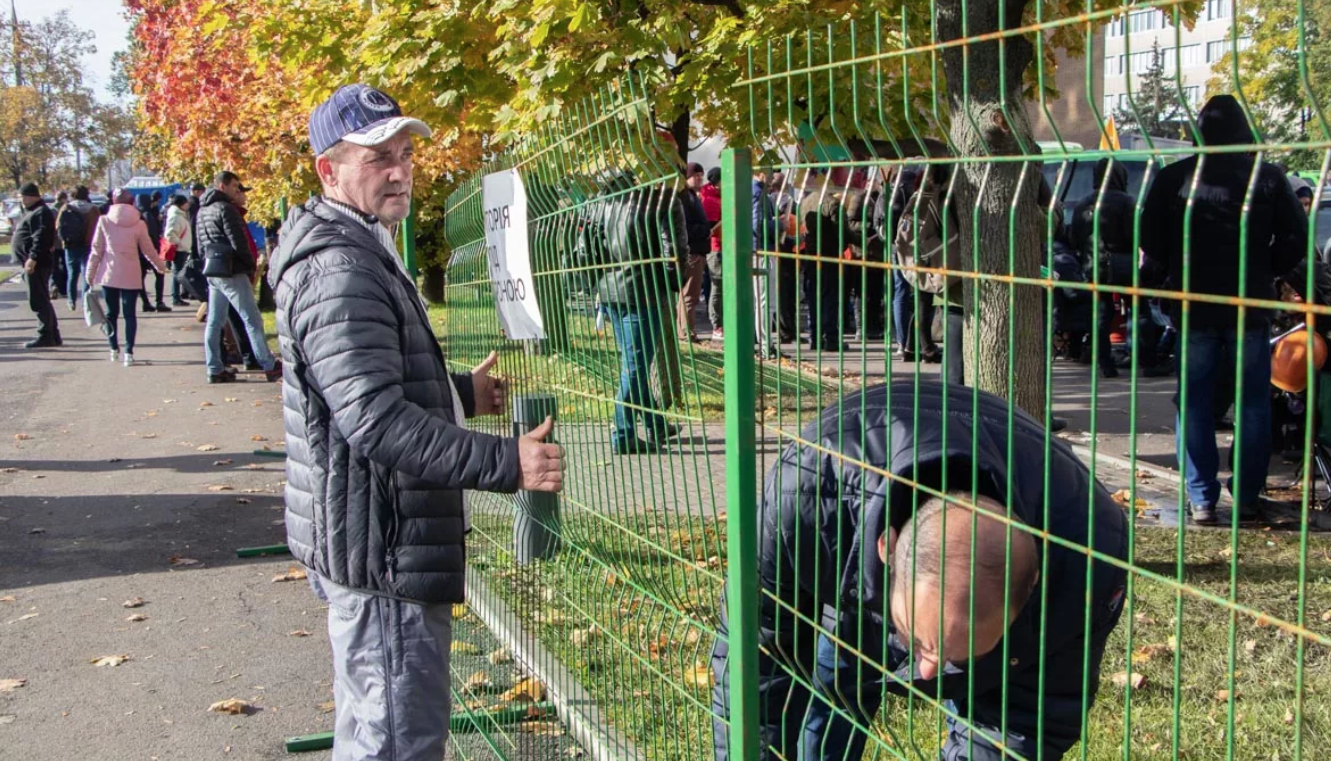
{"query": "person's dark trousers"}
[(1106, 358), (60, 275), (820, 296), (76, 260), (637, 341), (121, 301), (903, 310), (872, 284), (39, 300), (787, 296), (714, 295), (919, 324), (1211, 352), (954, 359)]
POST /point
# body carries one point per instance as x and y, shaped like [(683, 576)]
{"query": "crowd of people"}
[(108, 260)]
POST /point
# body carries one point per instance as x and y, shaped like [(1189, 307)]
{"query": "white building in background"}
[(1191, 53)]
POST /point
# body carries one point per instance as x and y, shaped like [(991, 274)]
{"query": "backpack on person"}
[(71, 226), (919, 243)]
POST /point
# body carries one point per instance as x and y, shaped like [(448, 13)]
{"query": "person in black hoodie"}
[(149, 211), (700, 244), (1195, 240), (1111, 245), (35, 245)]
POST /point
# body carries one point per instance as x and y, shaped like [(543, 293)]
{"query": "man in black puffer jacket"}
[(1112, 245), (1193, 235), (829, 530), (377, 452)]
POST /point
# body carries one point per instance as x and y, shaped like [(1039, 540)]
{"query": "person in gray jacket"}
[(378, 454)]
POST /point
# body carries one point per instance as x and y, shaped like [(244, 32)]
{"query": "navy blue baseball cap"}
[(361, 115)]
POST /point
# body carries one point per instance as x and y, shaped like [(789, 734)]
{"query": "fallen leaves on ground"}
[(9, 685), (205, 404), (294, 573), (545, 728), (327, 706), (7, 598), (136, 617), (1288, 719), (232, 399), (1222, 695), (233, 706), (148, 436), (1147, 652), (257, 437), (460, 612), (1135, 679), (1250, 646), (244, 501), (221, 487), (11, 470), (529, 690), (582, 637), (133, 602), (298, 633), (1326, 615), (178, 560), (109, 660), (462, 647), (479, 681), (22, 437), (699, 676), (500, 657), (24, 617), (207, 448), (222, 463), (1124, 498)]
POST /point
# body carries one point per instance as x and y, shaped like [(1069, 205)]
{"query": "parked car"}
[(10, 210)]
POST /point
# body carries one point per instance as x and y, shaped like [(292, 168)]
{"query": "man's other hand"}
[(30, 266), (490, 393), (541, 464)]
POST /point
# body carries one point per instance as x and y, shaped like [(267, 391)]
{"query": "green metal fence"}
[(1054, 574)]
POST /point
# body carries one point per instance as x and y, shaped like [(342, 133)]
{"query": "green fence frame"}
[(1226, 625)]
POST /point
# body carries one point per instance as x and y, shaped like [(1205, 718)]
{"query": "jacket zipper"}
[(390, 556)]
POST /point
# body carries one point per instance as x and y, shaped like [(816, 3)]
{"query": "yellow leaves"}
[(233, 707), (459, 612), (499, 657), (528, 690), (9, 685), (293, 573), (462, 647), (22, 437), (1145, 653), (1123, 678), (109, 660), (479, 682), (699, 676), (1124, 497)]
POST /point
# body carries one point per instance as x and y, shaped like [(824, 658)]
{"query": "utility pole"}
[(18, 61)]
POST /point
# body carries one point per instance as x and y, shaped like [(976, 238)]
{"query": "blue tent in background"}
[(166, 190)]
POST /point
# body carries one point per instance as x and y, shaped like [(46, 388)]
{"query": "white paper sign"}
[(505, 202)]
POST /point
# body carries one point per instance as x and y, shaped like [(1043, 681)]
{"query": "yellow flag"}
[(1109, 137)]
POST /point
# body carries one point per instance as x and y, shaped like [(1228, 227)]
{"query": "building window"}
[(1215, 51), (1116, 28), (1217, 9), (1113, 65), (1141, 62), (1111, 103), (1190, 55), (1144, 21), (1193, 94)]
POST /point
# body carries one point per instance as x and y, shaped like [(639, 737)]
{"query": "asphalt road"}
[(119, 483)]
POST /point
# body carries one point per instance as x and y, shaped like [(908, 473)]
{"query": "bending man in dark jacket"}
[(1199, 248), (847, 548), (34, 245), (221, 228), (1113, 244), (378, 454)]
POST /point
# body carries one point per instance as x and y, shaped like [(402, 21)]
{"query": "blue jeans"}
[(76, 259), (121, 301), (236, 291), (1210, 352), (636, 336)]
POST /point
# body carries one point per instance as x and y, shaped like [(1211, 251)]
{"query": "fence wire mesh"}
[(947, 480)]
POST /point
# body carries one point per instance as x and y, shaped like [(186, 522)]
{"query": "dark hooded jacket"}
[(695, 222), (821, 517), (1277, 227), (35, 236), (220, 226), (1116, 211), (150, 217), (376, 462), (640, 232)]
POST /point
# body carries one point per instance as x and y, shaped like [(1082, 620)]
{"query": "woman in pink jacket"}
[(121, 237)]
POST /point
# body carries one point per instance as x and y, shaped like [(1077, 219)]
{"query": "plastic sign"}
[(506, 246)]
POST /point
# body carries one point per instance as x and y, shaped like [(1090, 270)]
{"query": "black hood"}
[(1222, 122), (212, 196), (1118, 178), (143, 203)]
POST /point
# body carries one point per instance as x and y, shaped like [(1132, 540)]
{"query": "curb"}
[(577, 709)]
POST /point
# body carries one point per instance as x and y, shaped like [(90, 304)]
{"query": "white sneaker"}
[(113, 355), (129, 359)]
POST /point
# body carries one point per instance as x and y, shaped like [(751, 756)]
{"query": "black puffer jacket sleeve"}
[(346, 325), (234, 227)]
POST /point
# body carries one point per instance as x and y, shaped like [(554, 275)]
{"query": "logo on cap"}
[(376, 100)]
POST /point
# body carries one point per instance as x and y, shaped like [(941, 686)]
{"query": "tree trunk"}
[(993, 227), (432, 283), (679, 130)]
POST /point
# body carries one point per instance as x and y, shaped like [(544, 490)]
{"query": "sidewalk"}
[(120, 483)]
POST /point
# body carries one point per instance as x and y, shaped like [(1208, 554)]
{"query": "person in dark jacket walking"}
[(699, 232), (1112, 245), (378, 454), (1194, 240), (75, 225), (148, 211), (34, 243), (844, 546), (221, 232), (631, 226)]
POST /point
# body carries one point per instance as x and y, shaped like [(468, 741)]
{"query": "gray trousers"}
[(390, 675)]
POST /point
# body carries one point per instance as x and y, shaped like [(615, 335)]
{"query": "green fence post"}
[(409, 242), (741, 486), (536, 514)]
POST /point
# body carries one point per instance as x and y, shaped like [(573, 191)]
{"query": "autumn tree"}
[(1266, 71)]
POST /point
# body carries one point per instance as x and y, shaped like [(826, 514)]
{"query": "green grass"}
[(649, 584)]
